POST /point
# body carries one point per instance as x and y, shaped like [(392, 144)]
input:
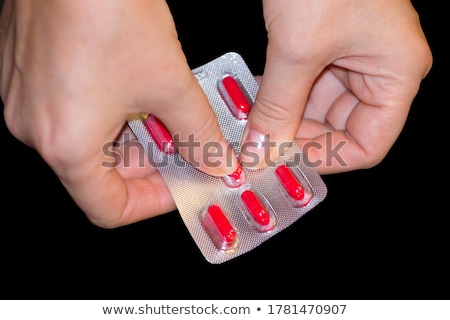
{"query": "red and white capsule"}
[(257, 211), (159, 133), (235, 179), (298, 193), (235, 97), (219, 228)]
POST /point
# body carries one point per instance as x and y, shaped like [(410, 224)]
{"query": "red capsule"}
[(159, 134), (256, 209), (235, 179), (290, 182), (235, 98), (219, 228)]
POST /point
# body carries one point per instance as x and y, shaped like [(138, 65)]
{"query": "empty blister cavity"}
[(235, 179), (293, 185), (235, 96), (159, 133), (256, 209), (219, 228)]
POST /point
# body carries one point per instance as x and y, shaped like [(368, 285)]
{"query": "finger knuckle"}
[(275, 111)]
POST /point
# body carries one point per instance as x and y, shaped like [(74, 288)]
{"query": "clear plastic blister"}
[(230, 216)]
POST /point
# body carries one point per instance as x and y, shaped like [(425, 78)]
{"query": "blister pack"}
[(230, 216)]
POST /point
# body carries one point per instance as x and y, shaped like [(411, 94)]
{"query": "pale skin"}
[(72, 71), (348, 67)]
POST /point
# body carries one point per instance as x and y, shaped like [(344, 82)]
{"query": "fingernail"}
[(221, 162), (235, 179), (255, 150)]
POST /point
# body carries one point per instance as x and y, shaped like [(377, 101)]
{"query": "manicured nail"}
[(255, 150), (221, 159)]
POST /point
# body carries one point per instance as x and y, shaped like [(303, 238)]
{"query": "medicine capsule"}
[(290, 182), (159, 134), (235, 98), (256, 212), (293, 188), (219, 228), (235, 179)]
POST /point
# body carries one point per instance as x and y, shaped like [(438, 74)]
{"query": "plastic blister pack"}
[(230, 216)]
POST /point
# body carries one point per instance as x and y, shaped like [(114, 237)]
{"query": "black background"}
[(381, 233)]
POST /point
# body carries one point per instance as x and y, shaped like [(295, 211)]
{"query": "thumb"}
[(277, 112), (196, 131)]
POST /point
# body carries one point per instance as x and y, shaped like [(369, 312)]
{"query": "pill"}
[(219, 228), (159, 134), (235, 98), (256, 209), (290, 182), (235, 179)]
